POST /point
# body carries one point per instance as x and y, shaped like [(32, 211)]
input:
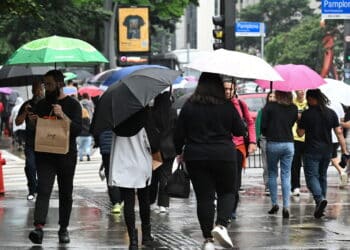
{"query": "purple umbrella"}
[(6, 90)]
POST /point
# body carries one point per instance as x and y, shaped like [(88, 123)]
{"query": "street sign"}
[(250, 29), (335, 9)]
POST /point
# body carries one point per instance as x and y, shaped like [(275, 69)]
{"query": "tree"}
[(277, 15)]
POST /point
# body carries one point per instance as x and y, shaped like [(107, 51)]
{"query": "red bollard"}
[(2, 186)]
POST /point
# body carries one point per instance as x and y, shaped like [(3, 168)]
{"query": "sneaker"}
[(220, 234), (163, 210), (36, 236), (320, 209), (117, 208), (154, 207), (343, 179), (267, 191), (30, 197), (63, 236), (208, 244), (296, 192)]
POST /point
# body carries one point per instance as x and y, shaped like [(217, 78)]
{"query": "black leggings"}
[(128, 195), (210, 178)]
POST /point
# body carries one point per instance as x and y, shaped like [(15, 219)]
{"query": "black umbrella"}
[(11, 75), (132, 93), (180, 101)]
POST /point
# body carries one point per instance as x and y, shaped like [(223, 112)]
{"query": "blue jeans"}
[(279, 152), (30, 169), (315, 169), (84, 145)]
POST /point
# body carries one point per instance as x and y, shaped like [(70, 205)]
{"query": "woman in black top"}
[(277, 121), (204, 132)]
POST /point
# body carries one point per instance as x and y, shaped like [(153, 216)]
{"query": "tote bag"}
[(52, 136), (178, 185)]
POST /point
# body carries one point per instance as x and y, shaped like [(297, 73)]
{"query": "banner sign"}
[(335, 9), (133, 29)]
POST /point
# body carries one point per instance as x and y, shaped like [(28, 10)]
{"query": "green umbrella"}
[(69, 76), (56, 50)]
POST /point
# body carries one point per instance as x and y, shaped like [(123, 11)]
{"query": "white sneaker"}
[(208, 245), (154, 207), (296, 192), (220, 235), (30, 197), (163, 210)]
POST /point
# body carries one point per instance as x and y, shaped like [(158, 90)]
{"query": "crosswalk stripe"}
[(86, 174)]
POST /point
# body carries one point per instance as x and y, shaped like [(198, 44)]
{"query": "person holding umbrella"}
[(204, 136), (50, 165)]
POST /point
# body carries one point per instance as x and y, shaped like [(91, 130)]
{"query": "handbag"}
[(52, 136), (178, 185), (246, 135)]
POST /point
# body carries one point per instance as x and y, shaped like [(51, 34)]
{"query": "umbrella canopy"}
[(101, 77), (121, 73), (16, 75), (336, 91), (296, 77), (69, 76), (5, 90), (91, 90), (236, 64), (179, 102), (56, 50), (129, 95)]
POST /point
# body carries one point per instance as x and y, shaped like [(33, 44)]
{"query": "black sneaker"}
[(320, 209), (63, 236), (36, 236)]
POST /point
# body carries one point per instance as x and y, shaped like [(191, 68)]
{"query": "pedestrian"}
[(18, 132), (164, 117), (204, 136), (261, 142), (104, 142), (131, 171), (242, 149), (316, 123), (343, 177), (26, 115), (346, 126), (299, 144), (87, 103), (50, 165), (84, 139), (276, 124)]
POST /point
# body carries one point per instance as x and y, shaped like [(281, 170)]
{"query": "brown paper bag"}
[(52, 136), (157, 160)]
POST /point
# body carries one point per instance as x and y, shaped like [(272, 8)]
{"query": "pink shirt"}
[(238, 140)]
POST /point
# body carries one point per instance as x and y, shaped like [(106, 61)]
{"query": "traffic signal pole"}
[(347, 51), (229, 13)]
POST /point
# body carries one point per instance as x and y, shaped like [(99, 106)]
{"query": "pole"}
[(229, 9), (262, 46)]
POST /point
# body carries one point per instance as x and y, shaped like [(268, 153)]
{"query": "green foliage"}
[(301, 45)]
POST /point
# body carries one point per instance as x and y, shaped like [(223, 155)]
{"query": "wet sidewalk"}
[(94, 227)]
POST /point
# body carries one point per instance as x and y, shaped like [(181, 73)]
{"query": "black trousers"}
[(128, 195), (211, 178), (238, 179), (160, 178), (113, 192), (48, 167), (299, 149)]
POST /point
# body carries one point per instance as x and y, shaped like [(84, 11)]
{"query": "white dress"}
[(131, 161)]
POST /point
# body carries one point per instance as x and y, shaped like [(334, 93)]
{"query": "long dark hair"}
[(322, 100), (210, 90)]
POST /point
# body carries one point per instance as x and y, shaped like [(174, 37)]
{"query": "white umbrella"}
[(236, 64), (336, 91)]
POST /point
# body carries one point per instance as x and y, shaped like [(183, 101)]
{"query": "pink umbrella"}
[(91, 90), (296, 77), (6, 90)]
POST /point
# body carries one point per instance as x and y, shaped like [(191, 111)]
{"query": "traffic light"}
[(218, 32), (224, 33)]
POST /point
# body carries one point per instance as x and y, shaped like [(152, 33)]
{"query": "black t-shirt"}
[(277, 121), (206, 131), (318, 126), (30, 126), (72, 109), (133, 24)]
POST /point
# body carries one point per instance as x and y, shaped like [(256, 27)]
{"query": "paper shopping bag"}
[(52, 136)]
